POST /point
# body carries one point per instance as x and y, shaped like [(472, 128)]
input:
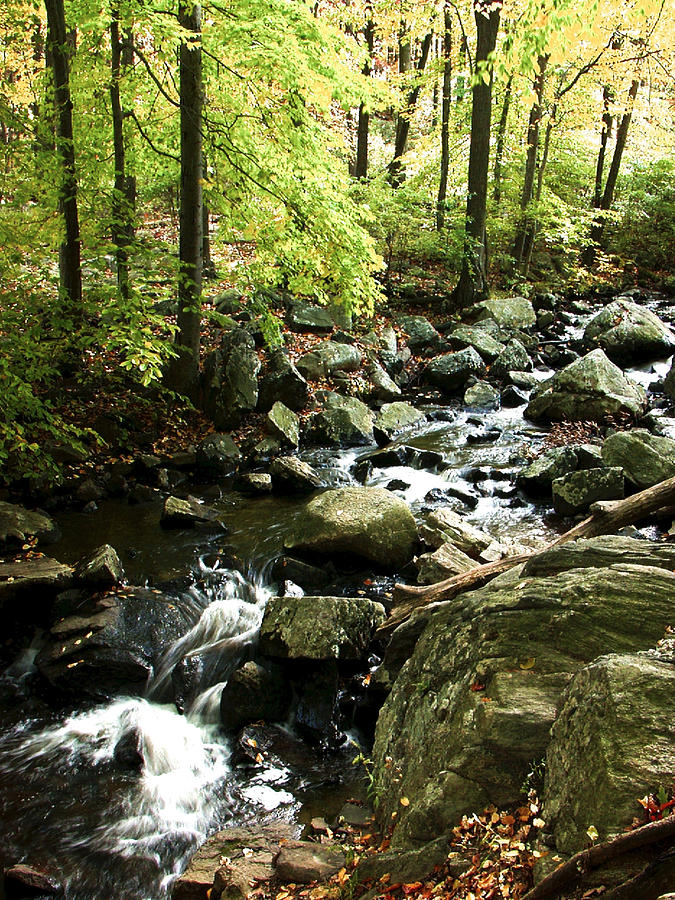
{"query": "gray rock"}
[(282, 381), (293, 475), (254, 483), (367, 522), (669, 383), (383, 388), (230, 379), (474, 704), (589, 456), (451, 371), (186, 513), (526, 381), (508, 312), (444, 525), (591, 388), (218, 455), (478, 338), (537, 478), (576, 491), (599, 552), (481, 395), (100, 568), (512, 397), (319, 628), (284, 424), (646, 459), (19, 525), (442, 563), (408, 866), (36, 580), (513, 358), (423, 339), (21, 881), (302, 862), (254, 692), (394, 418), (629, 333), (616, 731), (343, 421), (306, 318), (250, 853), (327, 358)]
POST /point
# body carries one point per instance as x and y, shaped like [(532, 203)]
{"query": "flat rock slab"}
[(33, 576), (301, 862), (18, 525), (235, 856), (186, 513)]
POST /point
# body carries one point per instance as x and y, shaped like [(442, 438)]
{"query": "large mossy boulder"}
[(573, 493), (451, 371), (507, 312), (394, 418), (342, 422), (304, 317), (230, 379), (423, 339), (615, 731), (319, 628), (370, 523), (474, 704), (327, 358), (19, 525), (629, 333), (589, 389), (537, 477), (479, 338), (646, 459)]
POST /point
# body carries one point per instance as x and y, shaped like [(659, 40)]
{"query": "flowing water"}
[(105, 830)]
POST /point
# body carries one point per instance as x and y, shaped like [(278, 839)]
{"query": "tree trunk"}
[(605, 134), (396, 175), (540, 184), (361, 165), (524, 233), (120, 206), (501, 137), (208, 265), (473, 284), (70, 271), (445, 118), (606, 517), (183, 370), (610, 185)]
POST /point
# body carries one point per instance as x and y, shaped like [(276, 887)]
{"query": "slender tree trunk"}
[(524, 233), (501, 137), (610, 185), (120, 208), (70, 270), (396, 175), (473, 284), (540, 185), (445, 118), (605, 134), (361, 166), (183, 371)]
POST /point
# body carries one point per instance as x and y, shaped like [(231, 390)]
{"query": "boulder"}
[(507, 312), (22, 881), (574, 493), (451, 371), (394, 418), (302, 862), (598, 552), (19, 525), (327, 358), (669, 383), (553, 463), (481, 395), (445, 525), (188, 512), (443, 563), (112, 645), (423, 339), (475, 703), (100, 569), (367, 522), (230, 379), (513, 358), (319, 628), (479, 338), (591, 388), (218, 455), (284, 424), (232, 862), (646, 459), (293, 475), (282, 381), (304, 317), (254, 692), (512, 397), (36, 580), (383, 388), (343, 422), (615, 731), (629, 333), (254, 483)]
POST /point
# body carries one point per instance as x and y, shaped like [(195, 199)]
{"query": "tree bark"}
[(606, 518), (524, 233), (396, 175), (501, 137), (361, 165), (473, 283), (183, 370), (120, 202), (446, 103), (70, 270), (605, 134)]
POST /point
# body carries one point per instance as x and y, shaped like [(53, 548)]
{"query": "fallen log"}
[(589, 859), (606, 518)]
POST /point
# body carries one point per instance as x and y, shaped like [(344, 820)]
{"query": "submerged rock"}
[(366, 522)]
